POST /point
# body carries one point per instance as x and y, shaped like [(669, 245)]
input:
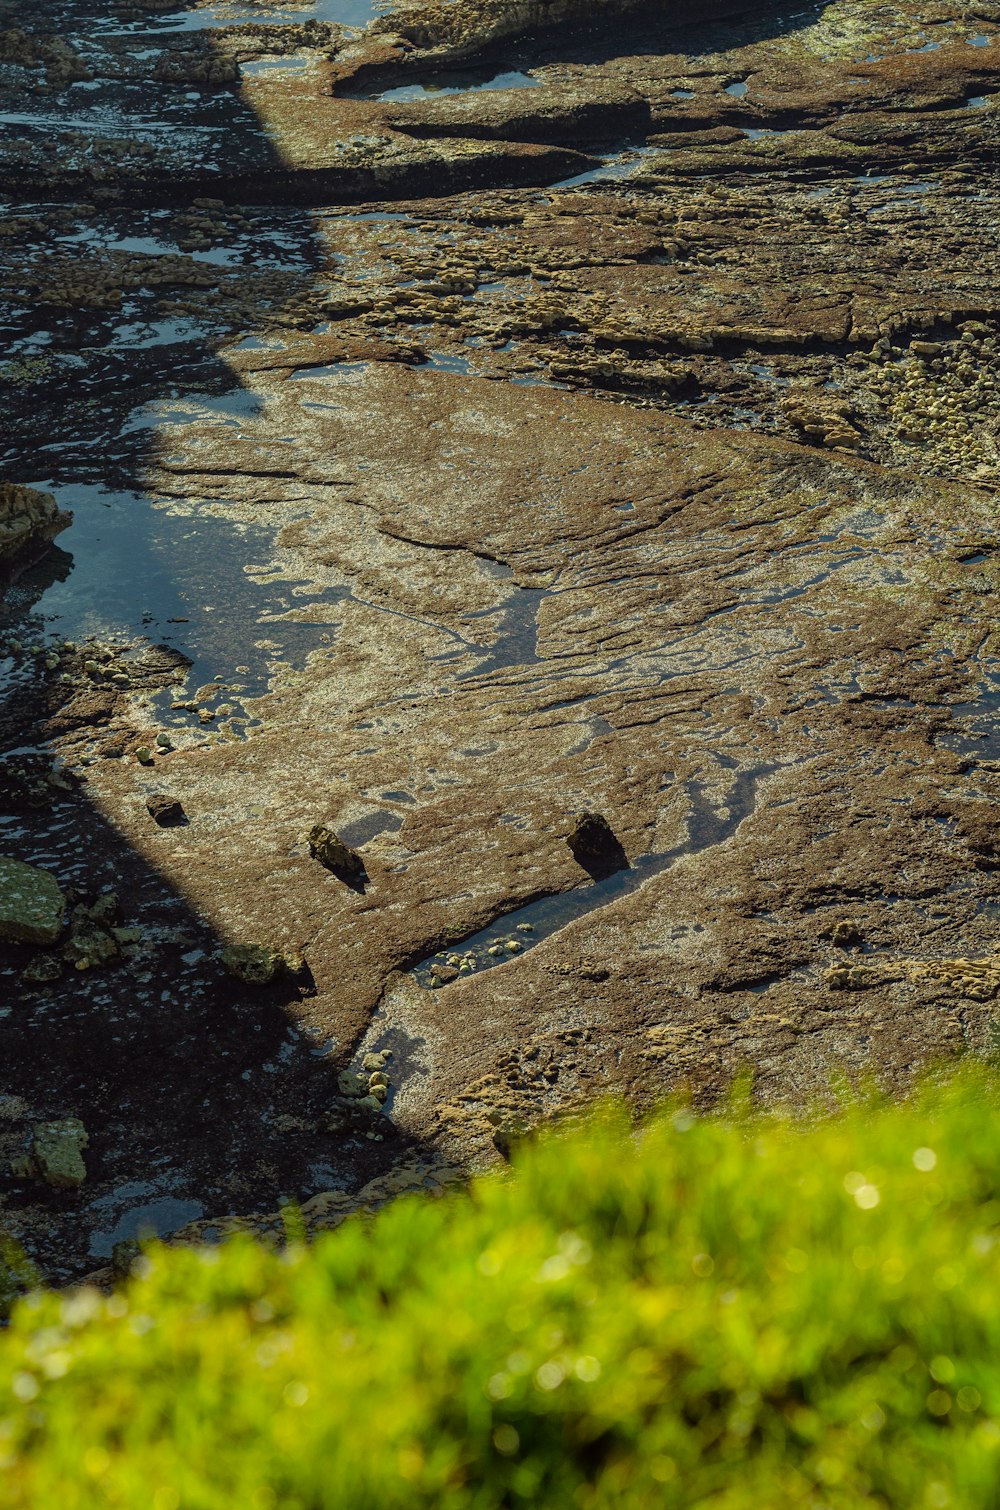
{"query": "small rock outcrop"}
[(166, 812), (335, 855), (29, 521), (595, 846), (253, 964)]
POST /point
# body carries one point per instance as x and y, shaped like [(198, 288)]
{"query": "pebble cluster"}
[(938, 395), (448, 965), (362, 1095)]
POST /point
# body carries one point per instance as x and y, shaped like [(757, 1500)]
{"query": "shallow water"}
[(155, 1216), (353, 13), (132, 566)]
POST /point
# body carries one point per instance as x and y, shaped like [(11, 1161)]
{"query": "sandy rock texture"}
[(507, 414)]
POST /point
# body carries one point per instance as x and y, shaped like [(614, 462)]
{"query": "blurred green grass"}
[(738, 1312)]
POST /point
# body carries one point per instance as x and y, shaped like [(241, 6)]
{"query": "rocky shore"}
[(484, 417)]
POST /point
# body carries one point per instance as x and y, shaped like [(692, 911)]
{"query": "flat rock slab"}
[(31, 905)]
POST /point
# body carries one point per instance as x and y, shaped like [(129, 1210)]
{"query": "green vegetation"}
[(736, 1313)]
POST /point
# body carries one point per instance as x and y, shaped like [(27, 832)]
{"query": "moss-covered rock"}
[(56, 1154), (32, 908)]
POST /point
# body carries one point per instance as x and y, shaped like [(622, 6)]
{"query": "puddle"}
[(262, 67), (514, 934), (517, 632), (462, 84), (130, 567), (336, 372), (979, 735), (155, 1218), (352, 13), (441, 361), (738, 91), (614, 167)]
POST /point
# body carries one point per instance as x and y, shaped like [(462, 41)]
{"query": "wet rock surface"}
[(499, 414)]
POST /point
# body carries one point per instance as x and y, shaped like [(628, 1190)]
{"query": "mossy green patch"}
[(729, 1312)]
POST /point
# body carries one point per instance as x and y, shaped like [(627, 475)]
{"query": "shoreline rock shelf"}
[(560, 519)]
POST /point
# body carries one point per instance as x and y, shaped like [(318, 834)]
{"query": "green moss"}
[(17, 1274), (728, 1313), (25, 371)]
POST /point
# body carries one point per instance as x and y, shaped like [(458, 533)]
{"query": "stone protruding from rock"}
[(56, 1154), (845, 935), (334, 854), (32, 908), (851, 978), (166, 812), (29, 521), (595, 846), (510, 1129)]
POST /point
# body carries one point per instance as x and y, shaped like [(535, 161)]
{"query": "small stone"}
[(443, 974), (124, 1256), (372, 1062), (380, 1092), (163, 742), (525, 927), (378, 1078), (351, 1084), (165, 811), (334, 854), (845, 935), (32, 908), (370, 1103), (254, 964), (42, 970), (494, 949), (144, 755), (513, 947)]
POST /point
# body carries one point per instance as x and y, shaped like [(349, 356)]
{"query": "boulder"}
[(253, 964), (32, 908), (55, 1155)]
